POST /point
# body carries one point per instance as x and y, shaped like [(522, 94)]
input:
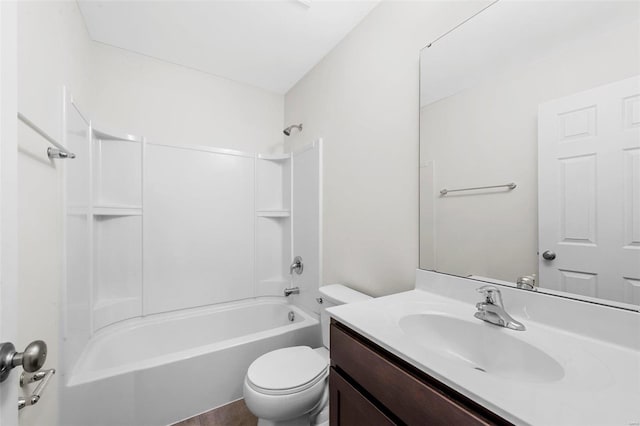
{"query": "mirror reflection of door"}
[(589, 192), (550, 100)]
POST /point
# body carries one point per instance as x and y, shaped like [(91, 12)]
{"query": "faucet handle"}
[(297, 266), (492, 294)]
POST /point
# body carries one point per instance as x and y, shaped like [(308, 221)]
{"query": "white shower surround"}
[(177, 257), (199, 225), (164, 368), (175, 227)]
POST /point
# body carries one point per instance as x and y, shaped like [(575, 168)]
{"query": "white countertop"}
[(600, 385)]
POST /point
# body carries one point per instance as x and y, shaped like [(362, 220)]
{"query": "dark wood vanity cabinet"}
[(370, 386)]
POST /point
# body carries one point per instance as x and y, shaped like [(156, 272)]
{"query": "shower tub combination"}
[(176, 261), (164, 368)]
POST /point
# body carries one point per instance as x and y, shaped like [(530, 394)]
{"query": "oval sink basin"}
[(483, 347)]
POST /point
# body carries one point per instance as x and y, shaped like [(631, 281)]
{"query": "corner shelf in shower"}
[(273, 223), (274, 157), (116, 174), (117, 210), (273, 213), (108, 134)]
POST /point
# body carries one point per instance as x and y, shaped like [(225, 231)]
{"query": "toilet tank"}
[(334, 295)]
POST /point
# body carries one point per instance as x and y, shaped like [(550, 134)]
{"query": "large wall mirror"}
[(530, 149)]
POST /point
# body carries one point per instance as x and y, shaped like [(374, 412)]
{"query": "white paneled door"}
[(8, 203), (589, 192)]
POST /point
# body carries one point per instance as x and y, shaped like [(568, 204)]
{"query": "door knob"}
[(32, 359), (548, 255)]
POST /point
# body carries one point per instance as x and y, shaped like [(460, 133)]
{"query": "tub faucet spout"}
[(291, 290)]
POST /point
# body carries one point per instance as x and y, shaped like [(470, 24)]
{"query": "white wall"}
[(181, 106), (472, 144), (362, 98)]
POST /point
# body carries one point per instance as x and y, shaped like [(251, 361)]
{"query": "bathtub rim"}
[(80, 376)]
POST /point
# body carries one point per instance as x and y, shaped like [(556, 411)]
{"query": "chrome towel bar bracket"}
[(59, 151)]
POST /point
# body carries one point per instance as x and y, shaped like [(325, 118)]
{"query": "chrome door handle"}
[(32, 359), (548, 255)]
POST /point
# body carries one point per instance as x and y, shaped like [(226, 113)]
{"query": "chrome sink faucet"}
[(492, 309)]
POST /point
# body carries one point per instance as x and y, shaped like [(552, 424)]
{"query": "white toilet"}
[(289, 387)]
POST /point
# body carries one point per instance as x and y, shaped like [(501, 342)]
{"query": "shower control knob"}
[(548, 255), (31, 360), (296, 266)]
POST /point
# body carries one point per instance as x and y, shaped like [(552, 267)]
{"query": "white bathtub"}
[(161, 369)]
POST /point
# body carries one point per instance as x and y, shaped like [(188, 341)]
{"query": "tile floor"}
[(233, 414)]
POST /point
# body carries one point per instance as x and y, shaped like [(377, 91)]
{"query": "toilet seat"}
[(287, 371)]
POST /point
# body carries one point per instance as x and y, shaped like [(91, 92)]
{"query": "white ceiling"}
[(270, 44)]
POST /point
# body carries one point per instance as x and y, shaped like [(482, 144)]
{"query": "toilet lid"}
[(287, 369)]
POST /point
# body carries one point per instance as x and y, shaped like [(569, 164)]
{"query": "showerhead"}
[(287, 131)]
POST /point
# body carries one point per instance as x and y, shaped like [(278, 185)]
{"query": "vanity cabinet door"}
[(349, 407), (412, 396)]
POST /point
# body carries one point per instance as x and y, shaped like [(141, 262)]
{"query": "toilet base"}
[(309, 419), (298, 421), (322, 419)]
